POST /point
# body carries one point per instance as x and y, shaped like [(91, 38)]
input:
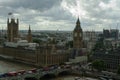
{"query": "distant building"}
[(109, 52), (106, 33), (110, 57), (112, 33), (90, 35), (90, 38)]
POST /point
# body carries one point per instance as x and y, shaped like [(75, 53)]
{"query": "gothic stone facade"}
[(42, 56)]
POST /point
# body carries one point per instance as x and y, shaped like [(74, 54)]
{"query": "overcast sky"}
[(62, 14)]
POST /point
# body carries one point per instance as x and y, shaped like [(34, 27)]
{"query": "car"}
[(77, 78), (13, 73), (34, 70), (21, 72), (102, 78), (67, 66), (46, 69), (3, 75)]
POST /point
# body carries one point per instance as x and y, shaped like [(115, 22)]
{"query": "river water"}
[(73, 78), (6, 66)]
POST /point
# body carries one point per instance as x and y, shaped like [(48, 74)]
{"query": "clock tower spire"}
[(77, 35)]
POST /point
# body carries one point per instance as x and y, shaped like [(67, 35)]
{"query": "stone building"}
[(42, 56), (12, 29), (48, 56)]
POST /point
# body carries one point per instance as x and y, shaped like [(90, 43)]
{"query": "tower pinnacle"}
[(78, 21)]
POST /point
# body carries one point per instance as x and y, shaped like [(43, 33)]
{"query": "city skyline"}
[(61, 14)]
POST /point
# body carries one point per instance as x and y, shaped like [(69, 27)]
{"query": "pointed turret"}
[(29, 36), (29, 31), (17, 21), (7, 20), (78, 26), (78, 21)]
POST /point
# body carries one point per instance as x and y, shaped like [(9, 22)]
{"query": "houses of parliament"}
[(39, 55)]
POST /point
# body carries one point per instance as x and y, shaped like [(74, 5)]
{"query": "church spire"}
[(29, 37), (29, 31)]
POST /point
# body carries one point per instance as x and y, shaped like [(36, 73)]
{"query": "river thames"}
[(70, 77), (6, 66), (73, 78)]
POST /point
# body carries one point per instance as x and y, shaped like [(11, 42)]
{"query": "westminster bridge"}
[(38, 74)]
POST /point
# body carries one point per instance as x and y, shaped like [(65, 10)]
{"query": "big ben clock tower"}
[(77, 53), (77, 36)]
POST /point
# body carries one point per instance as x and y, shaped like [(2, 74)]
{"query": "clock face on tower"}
[(75, 34), (80, 35)]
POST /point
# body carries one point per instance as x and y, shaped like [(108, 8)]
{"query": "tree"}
[(98, 64), (89, 55), (37, 41), (99, 44), (118, 71), (69, 44)]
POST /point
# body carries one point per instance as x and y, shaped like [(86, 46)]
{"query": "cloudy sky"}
[(62, 14)]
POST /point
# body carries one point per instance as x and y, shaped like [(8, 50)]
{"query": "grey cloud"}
[(57, 13), (37, 11), (32, 4)]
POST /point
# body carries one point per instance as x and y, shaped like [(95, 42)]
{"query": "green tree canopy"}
[(98, 64), (99, 44), (118, 71), (37, 41), (69, 44)]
